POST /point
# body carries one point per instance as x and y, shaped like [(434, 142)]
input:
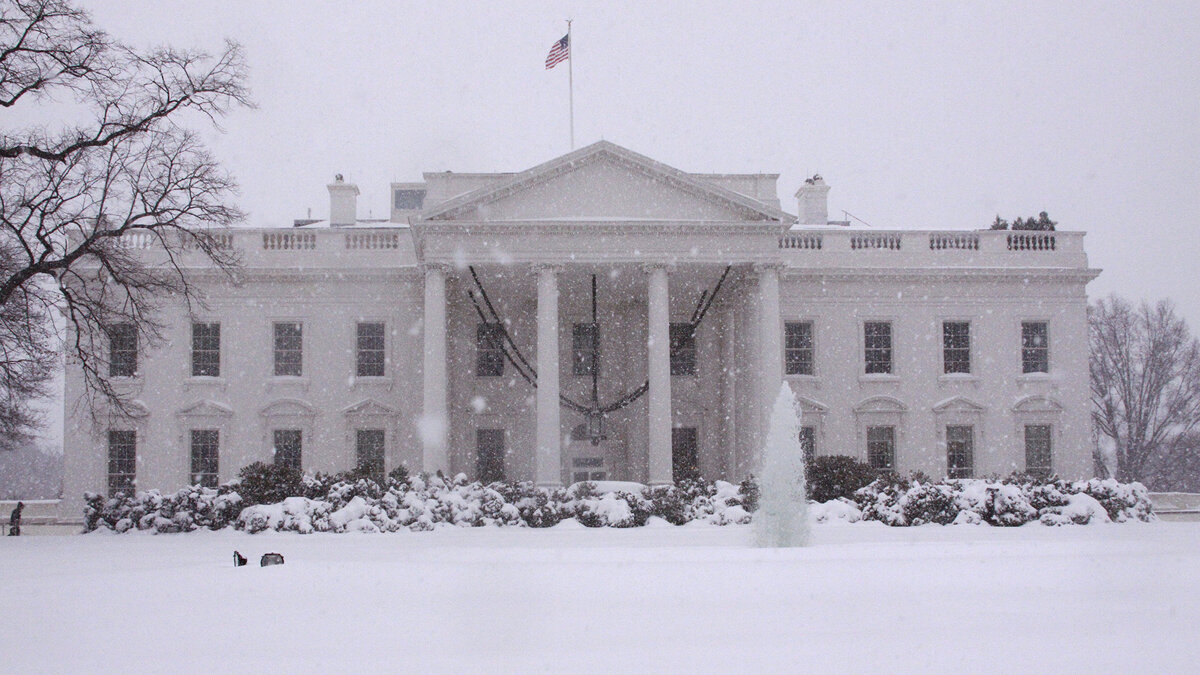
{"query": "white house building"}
[(656, 311)]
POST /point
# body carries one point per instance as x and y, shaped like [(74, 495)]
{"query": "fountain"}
[(782, 516)]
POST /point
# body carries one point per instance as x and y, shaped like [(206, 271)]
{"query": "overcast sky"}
[(929, 115)]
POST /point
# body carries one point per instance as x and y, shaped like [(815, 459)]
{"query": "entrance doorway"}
[(489, 455)]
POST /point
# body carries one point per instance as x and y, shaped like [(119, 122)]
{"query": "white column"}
[(549, 431), (659, 366), (434, 424), (770, 340)]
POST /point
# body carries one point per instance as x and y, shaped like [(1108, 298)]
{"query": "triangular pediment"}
[(603, 182), (288, 407), (960, 404), (810, 406), (206, 409), (367, 408)]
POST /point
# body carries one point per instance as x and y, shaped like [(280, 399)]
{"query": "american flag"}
[(560, 52)]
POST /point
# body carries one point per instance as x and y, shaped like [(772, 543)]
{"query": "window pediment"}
[(1037, 404), (206, 408), (368, 408), (881, 404), (289, 407), (959, 404)]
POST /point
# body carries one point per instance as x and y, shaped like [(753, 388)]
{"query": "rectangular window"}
[(808, 442), (368, 452), (685, 454), (369, 344), (289, 343), (585, 349), (683, 349), (205, 449), (1037, 450), (489, 350), (877, 340), (798, 347), (288, 446), (489, 455), (123, 350), (956, 347), (206, 350), (960, 451), (881, 448), (1035, 347), (122, 462)]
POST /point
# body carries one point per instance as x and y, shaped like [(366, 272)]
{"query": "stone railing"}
[(925, 248)]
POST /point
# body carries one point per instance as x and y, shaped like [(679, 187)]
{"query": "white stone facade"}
[(655, 239)]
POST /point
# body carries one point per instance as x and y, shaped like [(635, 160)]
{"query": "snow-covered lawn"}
[(865, 597)]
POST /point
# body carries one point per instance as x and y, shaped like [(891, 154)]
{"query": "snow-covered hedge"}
[(427, 502), (1015, 501)]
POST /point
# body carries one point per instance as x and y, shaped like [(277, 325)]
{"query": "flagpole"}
[(571, 82)]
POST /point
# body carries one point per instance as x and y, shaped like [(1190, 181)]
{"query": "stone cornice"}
[(606, 227), (948, 273)]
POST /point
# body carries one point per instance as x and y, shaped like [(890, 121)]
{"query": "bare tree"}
[(96, 216), (1145, 381)]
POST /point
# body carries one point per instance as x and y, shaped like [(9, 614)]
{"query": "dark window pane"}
[(956, 347), (489, 455), (122, 461), (206, 349), (123, 350), (685, 454), (489, 350), (808, 442), (683, 349), (205, 451), (289, 343), (877, 339), (288, 446), (798, 348), (1038, 450), (881, 448), (585, 349), (370, 354), (368, 450), (960, 451), (1035, 347)]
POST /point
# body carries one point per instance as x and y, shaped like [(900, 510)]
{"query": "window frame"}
[(1041, 471), (205, 470), (280, 365), (958, 470), (800, 351), (685, 463), (890, 451), (122, 357), (683, 353), (481, 434), (360, 352), (207, 351), (808, 442), (122, 470), (279, 458), (889, 351), (364, 448), (489, 359), (1030, 352), (956, 354)]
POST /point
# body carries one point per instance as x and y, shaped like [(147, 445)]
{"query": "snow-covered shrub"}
[(262, 483), (832, 476), (839, 510), (1080, 509), (294, 514), (881, 500), (928, 503), (189, 509), (1122, 501)]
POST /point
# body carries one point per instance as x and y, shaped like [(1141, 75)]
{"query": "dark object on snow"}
[(239, 560), (269, 559), (14, 520)]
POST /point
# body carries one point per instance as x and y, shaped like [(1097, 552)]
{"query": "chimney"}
[(343, 202), (813, 201)]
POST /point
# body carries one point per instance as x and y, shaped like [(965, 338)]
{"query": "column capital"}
[(547, 267), (442, 267), (761, 268), (649, 267)]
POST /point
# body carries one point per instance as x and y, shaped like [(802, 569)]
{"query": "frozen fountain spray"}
[(782, 516)]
